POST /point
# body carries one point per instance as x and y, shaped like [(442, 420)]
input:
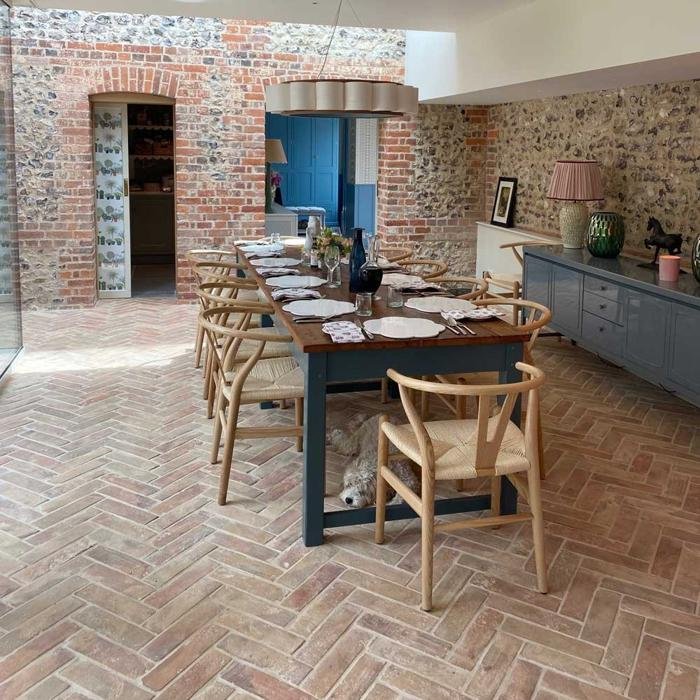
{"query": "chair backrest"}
[(517, 246), (488, 436), (209, 254), (229, 324), (476, 286), (395, 254), (208, 270), (532, 319), (425, 268), (225, 291)]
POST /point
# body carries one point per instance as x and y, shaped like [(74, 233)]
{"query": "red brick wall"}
[(219, 116)]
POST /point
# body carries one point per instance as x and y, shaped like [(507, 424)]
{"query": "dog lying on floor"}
[(358, 440)]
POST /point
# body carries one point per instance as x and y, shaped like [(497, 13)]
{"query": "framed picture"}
[(504, 203)]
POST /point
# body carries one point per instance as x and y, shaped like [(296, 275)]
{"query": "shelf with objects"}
[(152, 198)]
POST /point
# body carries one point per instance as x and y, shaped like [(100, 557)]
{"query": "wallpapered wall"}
[(647, 140)]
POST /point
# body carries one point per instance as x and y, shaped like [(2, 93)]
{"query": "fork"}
[(453, 325)]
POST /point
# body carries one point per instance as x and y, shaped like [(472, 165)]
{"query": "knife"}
[(365, 332)]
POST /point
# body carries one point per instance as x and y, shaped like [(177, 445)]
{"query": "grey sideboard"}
[(623, 313)]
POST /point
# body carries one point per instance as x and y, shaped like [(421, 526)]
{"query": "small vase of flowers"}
[(328, 237)]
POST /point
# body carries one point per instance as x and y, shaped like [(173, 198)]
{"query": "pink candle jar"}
[(669, 268)]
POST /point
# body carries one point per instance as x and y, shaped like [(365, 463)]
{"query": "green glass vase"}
[(695, 257), (606, 234)]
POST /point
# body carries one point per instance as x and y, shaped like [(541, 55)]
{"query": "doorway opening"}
[(152, 205), (134, 196), (330, 171)]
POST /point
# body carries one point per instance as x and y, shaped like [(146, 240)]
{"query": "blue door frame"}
[(311, 176)]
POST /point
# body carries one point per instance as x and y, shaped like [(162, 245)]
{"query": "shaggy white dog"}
[(359, 441)]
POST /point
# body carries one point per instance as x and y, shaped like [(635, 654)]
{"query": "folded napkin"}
[(473, 314), (263, 254), (294, 293), (276, 271), (343, 332)]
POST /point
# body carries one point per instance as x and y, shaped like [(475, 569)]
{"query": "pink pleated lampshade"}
[(576, 180)]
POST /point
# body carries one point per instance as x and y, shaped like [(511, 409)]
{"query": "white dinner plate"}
[(319, 307), (275, 262), (394, 278), (436, 305), (296, 242), (401, 327), (290, 281)]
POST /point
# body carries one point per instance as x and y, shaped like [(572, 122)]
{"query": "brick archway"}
[(127, 85), (147, 81)]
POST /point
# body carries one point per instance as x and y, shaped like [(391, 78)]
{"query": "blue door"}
[(311, 175)]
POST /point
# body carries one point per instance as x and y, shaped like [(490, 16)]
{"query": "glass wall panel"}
[(10, 323)]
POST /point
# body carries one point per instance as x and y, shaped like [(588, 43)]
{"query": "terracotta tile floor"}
[(121, 578)]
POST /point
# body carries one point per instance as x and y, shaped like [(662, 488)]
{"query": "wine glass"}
[(332, 259)]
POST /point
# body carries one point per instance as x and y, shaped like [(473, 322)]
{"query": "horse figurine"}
[(672, 242)]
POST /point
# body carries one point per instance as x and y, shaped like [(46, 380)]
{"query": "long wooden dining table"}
[(496, 346)]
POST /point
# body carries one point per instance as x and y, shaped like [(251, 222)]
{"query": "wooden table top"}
[(310, 338)]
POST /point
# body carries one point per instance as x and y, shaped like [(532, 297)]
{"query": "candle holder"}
[(669, 268)]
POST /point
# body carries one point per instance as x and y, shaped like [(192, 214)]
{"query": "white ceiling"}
[(431, 15)]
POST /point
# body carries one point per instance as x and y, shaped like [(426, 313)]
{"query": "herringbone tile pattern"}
[(121, 578)]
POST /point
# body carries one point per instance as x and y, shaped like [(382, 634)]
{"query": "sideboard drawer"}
[(604, 307), (602, 287), (603, 334)]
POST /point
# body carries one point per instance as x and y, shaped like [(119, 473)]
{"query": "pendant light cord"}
[(328, 48)]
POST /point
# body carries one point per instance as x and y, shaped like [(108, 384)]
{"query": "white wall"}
[(544, 40)]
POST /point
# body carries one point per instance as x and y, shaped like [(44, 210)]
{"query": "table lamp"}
[(274, 153), (575, 182)]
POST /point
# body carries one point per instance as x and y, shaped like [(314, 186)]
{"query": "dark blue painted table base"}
[(323, 368)]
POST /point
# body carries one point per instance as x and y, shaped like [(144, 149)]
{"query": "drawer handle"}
[(603, 306), (602, 329), (603, 288)]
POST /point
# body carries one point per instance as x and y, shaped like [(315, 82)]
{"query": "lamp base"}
[(573, 223)]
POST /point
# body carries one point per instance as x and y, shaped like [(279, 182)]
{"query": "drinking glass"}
[(332, 259), (363, 304), (395, 297), (275, 238)]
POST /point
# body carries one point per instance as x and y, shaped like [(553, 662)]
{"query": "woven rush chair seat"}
[(454, 444), (268, 380)]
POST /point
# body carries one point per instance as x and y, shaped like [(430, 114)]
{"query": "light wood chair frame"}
[(214, 322), (439, 268), (488, 444), (511, 288), (209, 270), (224, 292), (479, 285), (394, 255)]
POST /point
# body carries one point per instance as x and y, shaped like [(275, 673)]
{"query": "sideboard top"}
[(621, 269)]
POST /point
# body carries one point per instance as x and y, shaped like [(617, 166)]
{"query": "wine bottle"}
[(357, 260)]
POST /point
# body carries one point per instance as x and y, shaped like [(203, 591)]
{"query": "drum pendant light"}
[(323, 97)]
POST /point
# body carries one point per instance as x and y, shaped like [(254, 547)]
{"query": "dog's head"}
[(359, 490)]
